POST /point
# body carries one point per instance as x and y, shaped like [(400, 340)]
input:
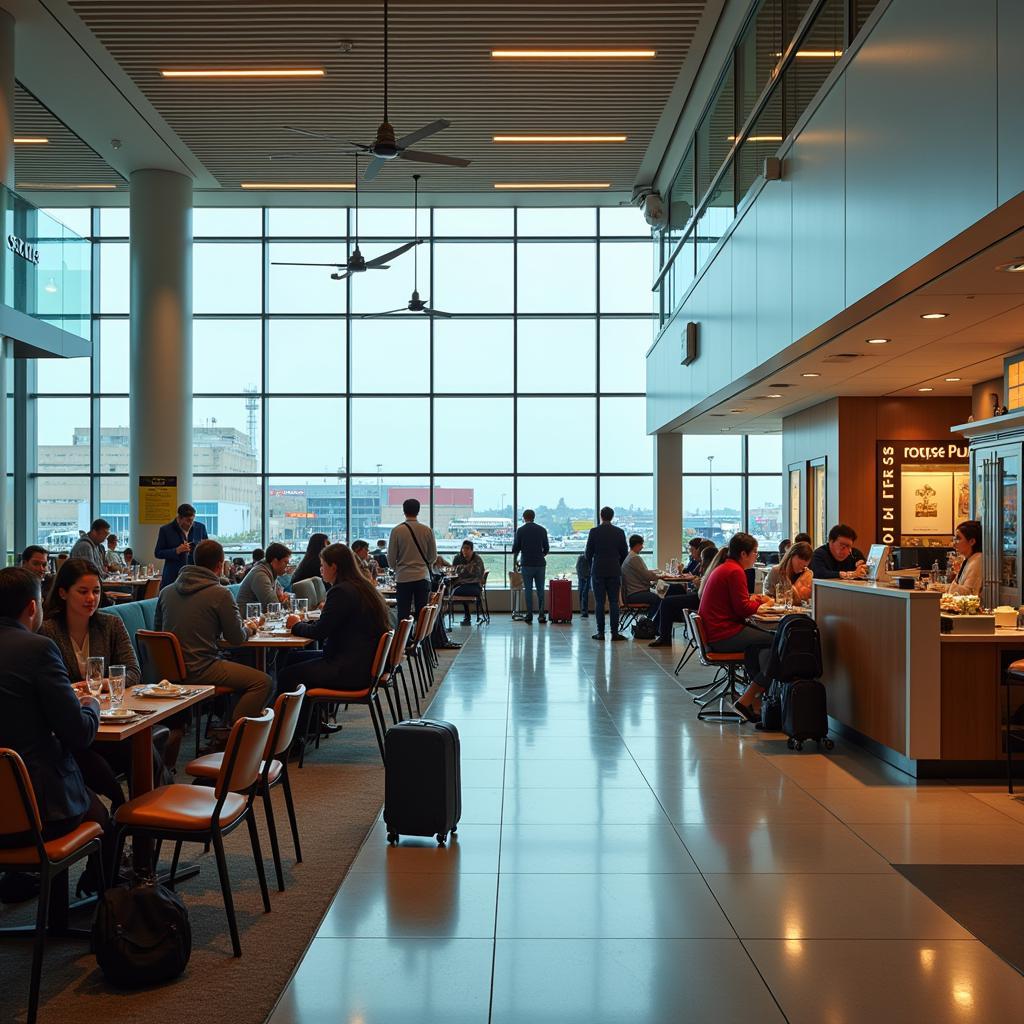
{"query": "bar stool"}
[(1014, 677), (723, 690)]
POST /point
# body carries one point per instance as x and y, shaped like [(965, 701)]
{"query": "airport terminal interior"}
[(480, 488)]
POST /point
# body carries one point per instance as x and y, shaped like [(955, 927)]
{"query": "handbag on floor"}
[(644, 629), (141, 935)]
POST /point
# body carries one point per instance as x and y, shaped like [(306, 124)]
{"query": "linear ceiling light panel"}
[(573, 54), (559, 138), (285, 185), (245, 73), (517, 186), (30, 140), (56, 186)]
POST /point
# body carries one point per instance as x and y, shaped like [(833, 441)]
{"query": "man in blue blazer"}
[(606, 551), (176, 542), (41, 716)]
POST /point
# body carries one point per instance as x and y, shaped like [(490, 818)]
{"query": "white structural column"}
[(161, 340), (7, 178), (668, 497)]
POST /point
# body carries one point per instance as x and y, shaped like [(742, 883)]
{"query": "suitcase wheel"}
[(826, 743), (454, 833), (791, 743), (442, 838), (392, 837)]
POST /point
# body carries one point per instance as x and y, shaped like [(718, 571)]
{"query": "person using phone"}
[(177, 541)]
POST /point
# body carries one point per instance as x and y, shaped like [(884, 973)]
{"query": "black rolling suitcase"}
[(422, 780), (805, 713), (796, 699)]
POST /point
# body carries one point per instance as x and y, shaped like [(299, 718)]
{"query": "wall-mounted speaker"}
[(689, 347)]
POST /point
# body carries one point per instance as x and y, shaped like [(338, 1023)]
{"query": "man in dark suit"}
[(530, 548), (176, 542), (606, 551), (41, 716)]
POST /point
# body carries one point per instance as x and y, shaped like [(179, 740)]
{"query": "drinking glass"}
[(302, 606), (782, 595), (94, 676), (117, 678), (252, 611), (273, 611)]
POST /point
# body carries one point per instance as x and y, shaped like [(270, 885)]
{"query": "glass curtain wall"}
[(310, 417)]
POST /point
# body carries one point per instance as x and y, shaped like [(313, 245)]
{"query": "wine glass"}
[(117, 680), (252, 611), (94, 676), (274, 611), (302, 606)]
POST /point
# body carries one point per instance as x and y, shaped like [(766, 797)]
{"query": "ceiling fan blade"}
[(378, 261), (389, 312), (437, 312), (432, 158), (428, 129), (373, 168), (281, 263), (318, 135)]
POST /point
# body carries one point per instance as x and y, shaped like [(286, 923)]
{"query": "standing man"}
[(530, 547), (177, 541), (411, 553), (583, 582), (606, 551), (91, 546)]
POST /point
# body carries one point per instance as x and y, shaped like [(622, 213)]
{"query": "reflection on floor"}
[(618, 861)]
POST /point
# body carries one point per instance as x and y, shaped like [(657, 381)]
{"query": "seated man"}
[(260, 585), (92, 545), (114, 562), (41, 716), (380, 556), (198, 610), (839, 559), (693, 565), (637, 578), (368, 564), (36, 560)]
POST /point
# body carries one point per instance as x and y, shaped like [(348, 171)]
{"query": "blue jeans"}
[(606, 585), (533, 576), (584, 582)]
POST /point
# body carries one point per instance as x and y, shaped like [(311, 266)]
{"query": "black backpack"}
[(796, 651), (141, 935), (644, 629)]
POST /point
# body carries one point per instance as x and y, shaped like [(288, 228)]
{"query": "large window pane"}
[(307, 355), (227, 277), (114, 435), (764, 453), (230, 507), (79, 219), (473, 277), (757, 55), (300, 506), (556, 277), (625, 444), (473, 435), (114, 283), (115, 508), (580, 220), (391, 355), (715, 134), (624, 345), (623, 221), (306, 289), (472, 223), (565, 508), (806, 75), (62, 509), (390, 222), (711, 507), (379, 291), (477, 509), (115, 221), (63, 376), (727, 452), (390, 433), (226, 222), (764, 509), (115, 361), (320, 222), (546, 433), (62, 430), (377, 504), (626, 277), (306, 435), (473, 355), (556, 355), (226, 356), (632, 498), (226, 435)]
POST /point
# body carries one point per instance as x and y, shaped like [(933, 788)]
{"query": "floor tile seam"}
[(1006, 814)]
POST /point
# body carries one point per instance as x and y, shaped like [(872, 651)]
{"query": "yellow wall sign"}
[(158, 499)]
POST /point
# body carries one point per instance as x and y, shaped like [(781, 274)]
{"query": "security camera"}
[(654, 210)]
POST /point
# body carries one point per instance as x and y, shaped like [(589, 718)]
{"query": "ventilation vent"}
[(841, 357)]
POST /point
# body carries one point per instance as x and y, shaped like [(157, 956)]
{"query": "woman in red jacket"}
[(725, 606)]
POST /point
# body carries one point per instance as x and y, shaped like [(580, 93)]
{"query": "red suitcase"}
[(560, 600)]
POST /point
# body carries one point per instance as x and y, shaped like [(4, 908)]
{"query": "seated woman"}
[(72, 624), (469, 576), (310, 564), (351, 625), (793, 572), (712, 559), (970, 576), (725, 606), (676, 601)]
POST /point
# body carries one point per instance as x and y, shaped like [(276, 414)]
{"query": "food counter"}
[(927, 702)]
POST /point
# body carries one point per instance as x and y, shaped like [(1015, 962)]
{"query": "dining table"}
[(276, 637)]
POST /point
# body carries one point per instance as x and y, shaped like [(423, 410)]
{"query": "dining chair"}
[(630, 611), (19, 816), (393, 671), (479, 602), (181, 813), (306, 589), (273, 772), (723, 690), (415, 651)]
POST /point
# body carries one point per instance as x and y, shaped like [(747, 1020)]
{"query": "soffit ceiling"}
[(440, 67), (985, 322)]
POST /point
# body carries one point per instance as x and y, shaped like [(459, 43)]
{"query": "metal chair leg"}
[(289, 804), (275, 849), (39, 944), (225, 888), (257, 856)]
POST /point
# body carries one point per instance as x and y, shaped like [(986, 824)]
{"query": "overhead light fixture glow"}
[(926, 389), (56, 186), (773, 396), (244, 73), (50, 287), (756, 138), (952, 380), (573, 54), (558, 138), (516, 186), (30, 140), (1013, 267), (819, 54), (934, 316), (810, 374), (324, 186), (878, 341)]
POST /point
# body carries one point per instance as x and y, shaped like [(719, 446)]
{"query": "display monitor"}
[(878, 562)]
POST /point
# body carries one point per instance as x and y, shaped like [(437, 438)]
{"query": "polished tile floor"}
[(618, 860)]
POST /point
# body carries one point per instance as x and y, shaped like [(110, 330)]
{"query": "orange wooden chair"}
[(200, 814), (19, 814), (393, 672)]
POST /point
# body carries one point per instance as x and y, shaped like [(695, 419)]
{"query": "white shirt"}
[(970, 578)]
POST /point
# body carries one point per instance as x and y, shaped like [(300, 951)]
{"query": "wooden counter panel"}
[(866, 681), (970, 702)]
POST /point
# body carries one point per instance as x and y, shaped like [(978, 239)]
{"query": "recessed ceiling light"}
[(573, 54), (286, 185), (734, 411), (517, 186), (810, 374), (952, 380), (1014, 267), (934, 316), (30, 140), (926, 389), (558, 138), (773, 396), (244, 73), (878, 341)]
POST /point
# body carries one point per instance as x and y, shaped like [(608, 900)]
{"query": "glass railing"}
[(46, 267)]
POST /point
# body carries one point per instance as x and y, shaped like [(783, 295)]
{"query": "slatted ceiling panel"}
[(64, 159), (440, 67)]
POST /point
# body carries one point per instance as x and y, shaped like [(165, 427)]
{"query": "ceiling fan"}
[(357, 263), (416, 304), (385, 146)]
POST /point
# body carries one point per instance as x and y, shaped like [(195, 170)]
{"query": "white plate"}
[(157, 694), (120, 715)]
